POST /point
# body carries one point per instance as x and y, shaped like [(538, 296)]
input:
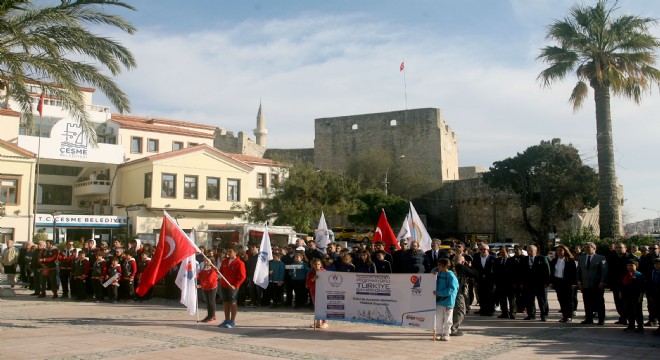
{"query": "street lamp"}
[(127, 208), (385, 182), (54, 214)]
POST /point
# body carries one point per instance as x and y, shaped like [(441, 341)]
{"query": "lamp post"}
[(127, 208), (54, 214), (385, 182)]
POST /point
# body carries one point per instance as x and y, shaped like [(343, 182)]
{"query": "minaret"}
[(261, 132)]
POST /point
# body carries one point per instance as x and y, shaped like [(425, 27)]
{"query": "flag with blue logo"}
[(260, 277), (186, 280), (322, 236), (417, 230)]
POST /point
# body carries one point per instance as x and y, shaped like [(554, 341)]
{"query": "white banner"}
[(111, 280), (392, 299)]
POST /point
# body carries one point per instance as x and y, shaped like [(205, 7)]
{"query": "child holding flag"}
[(208, 282)]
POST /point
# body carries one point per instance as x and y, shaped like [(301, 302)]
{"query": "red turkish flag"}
[(173, 246), (402, 66), (40, 107), (384, 233)]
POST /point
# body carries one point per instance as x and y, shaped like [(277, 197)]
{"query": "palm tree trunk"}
[(608, 199)]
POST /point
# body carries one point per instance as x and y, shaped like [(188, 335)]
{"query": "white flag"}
[(417, 230), (186, 281), (322, 236), (265, 255), (404, 233)]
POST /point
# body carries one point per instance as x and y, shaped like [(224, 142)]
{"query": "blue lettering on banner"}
[(335, 307), (336, 297), (336, 316)]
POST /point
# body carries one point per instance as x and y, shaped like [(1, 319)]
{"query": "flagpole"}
[(36, 178), (405, 86), (197, 305)]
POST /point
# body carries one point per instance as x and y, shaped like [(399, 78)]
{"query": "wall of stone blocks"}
[(419, 134)]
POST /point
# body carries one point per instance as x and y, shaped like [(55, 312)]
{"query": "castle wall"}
[(228, 142), (429, 145)]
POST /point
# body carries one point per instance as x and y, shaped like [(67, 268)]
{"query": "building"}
[(139, 168), (419, 137)]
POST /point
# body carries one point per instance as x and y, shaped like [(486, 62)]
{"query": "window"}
[(168, 187), (392, 122), (9, 190), (274, 180), (354, 127), (54, 194), (233, 190), (189, 187), (192, 144), (136, 145), (261, 180), (212, 188), (177, 145), (148, 182), (6, 234), (152, 145)]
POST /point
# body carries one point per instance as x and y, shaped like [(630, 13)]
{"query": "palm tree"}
[(49, 47), (612, 56)]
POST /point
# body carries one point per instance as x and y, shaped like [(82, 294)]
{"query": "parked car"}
[(343, 233), (363, 235)]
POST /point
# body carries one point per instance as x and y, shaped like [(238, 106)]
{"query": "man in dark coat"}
[(483, 265), (535, 270), (617, 263)]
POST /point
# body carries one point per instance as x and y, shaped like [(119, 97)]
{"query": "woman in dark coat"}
[(563, 269)]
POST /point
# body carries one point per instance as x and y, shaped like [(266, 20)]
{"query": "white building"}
[(140, 167)]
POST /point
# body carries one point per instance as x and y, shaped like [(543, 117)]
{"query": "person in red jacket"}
[(49, 257), (79, 271), (128, 271), (232, 271), (208, 282), (310, 283)]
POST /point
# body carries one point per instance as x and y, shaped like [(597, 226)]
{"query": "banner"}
[(111, 280), (322, 236), (261, 274), (391, 299)]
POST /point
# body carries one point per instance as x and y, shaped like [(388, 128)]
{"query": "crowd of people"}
[(495, 281)]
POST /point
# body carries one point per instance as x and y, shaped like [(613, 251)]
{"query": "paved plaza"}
[(33, 328)]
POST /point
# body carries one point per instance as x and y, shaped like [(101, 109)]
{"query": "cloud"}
[(311, 66)]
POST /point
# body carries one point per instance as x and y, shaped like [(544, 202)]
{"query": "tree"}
[(612, 56), (299, 198), (550, 181), (50, 47), (369, 203)]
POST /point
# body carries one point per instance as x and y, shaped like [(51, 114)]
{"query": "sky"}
[(215, 61)]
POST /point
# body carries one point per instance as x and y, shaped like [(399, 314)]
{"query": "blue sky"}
[(213, 62)]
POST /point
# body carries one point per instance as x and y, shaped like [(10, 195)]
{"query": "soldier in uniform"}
[(128, 270), (99, 276), (113, 270), (79, 271), (48, 260), (67, 256), (145, 259)]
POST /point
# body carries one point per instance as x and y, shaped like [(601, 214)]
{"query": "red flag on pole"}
[(402, 66), (173, 246), (384, 233), (40, 107)]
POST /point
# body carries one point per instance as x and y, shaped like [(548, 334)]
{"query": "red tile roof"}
[(9, 112), (17, 149), (150, 127), (163, 121), (253, 159), (196, 148)]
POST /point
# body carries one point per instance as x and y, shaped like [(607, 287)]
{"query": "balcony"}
[(91, 187)]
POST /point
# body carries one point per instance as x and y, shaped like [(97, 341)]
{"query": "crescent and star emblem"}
[(172, 245), (378, 231)]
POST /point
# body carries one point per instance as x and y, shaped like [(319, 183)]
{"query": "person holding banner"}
[(233, 271), (446, 289), (114, 271), (310, 283)]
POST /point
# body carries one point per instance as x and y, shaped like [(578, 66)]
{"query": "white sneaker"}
[(444, 338)]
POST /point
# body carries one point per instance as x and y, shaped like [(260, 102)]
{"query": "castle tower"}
[(261, 132)]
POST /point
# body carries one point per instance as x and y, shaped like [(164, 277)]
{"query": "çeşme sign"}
[(81, 220), (74, 145), (391, 299)]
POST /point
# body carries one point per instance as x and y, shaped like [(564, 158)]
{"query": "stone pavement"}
[(33, 328)]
